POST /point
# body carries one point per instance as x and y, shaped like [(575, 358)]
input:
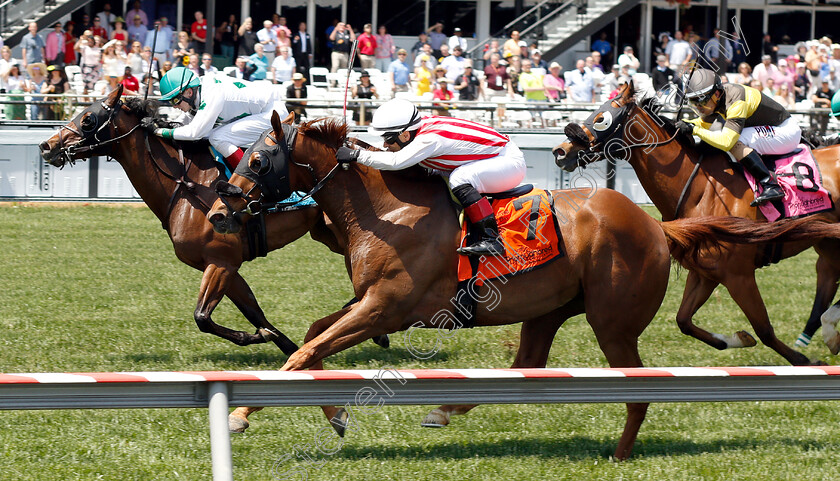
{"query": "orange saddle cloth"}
[(529, 231)]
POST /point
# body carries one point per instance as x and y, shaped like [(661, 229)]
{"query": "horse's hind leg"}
[(535, 340), (745, 293), (214, 285), (697, 292), (827, 277), (239, 292)]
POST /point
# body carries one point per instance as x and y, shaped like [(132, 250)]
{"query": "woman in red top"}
[(367, 47), (119, 32), (69, 44), (442, 93)]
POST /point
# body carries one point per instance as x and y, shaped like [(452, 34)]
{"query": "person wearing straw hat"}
[(297, 90), (230, 113)]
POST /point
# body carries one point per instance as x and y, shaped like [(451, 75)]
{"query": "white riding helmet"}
[(395, 116)]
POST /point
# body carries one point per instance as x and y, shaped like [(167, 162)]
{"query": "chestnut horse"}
[(401, 233), (683, 181), (179, 191)]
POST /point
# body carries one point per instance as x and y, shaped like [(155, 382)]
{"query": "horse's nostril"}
[(217, 218), (44, 146)]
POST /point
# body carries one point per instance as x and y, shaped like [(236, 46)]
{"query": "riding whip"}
[(685, 87), (347, 84), (151, 63)]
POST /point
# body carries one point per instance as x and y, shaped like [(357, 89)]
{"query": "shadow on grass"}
[(362, 354), (576, 448)]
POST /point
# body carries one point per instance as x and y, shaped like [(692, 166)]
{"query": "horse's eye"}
[(88, 123), (259, 164)]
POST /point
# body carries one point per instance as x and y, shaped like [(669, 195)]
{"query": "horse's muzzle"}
[(224, 222), (48, 152)]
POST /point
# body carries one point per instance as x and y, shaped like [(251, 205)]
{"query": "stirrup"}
[(484, 247), (770, 193)]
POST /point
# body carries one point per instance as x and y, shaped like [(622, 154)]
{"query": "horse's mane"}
[(651, 106), (329, 131), (141, 108)]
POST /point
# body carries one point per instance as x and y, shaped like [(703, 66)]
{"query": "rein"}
[(596, 153), (104, 117)]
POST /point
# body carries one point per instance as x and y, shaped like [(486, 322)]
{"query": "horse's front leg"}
[(697, 292), (239, 292), (214, 285), (372, 316)]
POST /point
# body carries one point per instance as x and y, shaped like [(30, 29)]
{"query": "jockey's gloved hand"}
[(345, 154), (149, 125), (686, 129)]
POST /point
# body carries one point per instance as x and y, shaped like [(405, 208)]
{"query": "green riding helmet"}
[(176, 81), (835, 104)]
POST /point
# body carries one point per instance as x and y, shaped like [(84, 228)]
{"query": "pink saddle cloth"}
[(800, 178)]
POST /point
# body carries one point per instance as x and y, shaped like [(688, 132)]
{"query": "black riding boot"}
[(770, 189), (480, 214)]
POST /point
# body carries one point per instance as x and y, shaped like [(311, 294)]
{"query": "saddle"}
[(798, 174)]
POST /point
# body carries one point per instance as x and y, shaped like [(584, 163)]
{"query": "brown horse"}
[(179, 190), (401, 232), (684, 181)]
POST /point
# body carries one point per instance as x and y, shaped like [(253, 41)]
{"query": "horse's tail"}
[(689, 238)]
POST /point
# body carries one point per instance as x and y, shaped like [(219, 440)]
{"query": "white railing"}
[(216, 390)]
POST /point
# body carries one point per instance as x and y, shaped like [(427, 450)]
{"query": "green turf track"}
[(99, 289)]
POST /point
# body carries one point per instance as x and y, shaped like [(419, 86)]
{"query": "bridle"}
[(605, 141), (271, 176), (90, 128)]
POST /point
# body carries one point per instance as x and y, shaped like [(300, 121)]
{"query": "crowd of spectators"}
[(110, 50)]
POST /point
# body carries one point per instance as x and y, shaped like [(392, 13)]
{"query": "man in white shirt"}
[(629, 59), (268, 38), (456, 40), (579, 85), (454, 64), (678, 52), (163, 44), (106, 18)]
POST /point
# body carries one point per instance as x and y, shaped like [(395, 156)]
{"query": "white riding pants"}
[(245, 131), (770, 140), (496, 174)]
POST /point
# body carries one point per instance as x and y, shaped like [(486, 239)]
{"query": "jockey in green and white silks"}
[(226, 111)]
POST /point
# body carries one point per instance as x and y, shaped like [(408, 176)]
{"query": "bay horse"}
[(401, 232), (684, 181), (178, 188)]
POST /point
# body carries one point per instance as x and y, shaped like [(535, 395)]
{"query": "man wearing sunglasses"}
[(752, 125), (476, 158), (228, 112)]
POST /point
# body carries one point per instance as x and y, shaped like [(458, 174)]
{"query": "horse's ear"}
[(628, 91), (112, 98), (276, 123), (290, 119)]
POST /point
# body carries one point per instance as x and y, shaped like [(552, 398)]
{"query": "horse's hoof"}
[(382, 341), (833, 343), (747, 340), (829, 329), (817, 362), (237, 424), (436, 419), (339, 422), (267, 335)]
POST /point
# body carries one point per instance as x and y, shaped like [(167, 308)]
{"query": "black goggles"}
[(177, 99), (391, 137), (700, 100)]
